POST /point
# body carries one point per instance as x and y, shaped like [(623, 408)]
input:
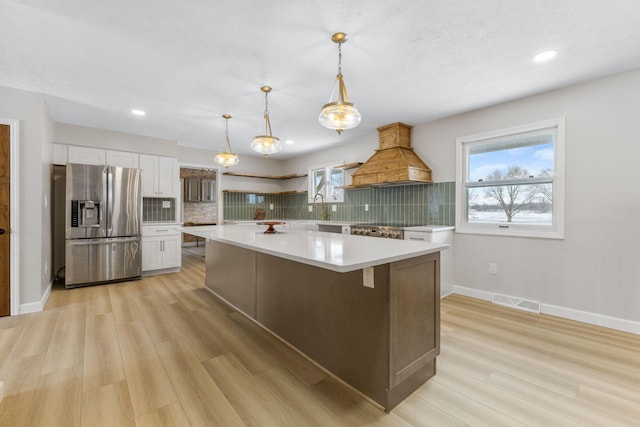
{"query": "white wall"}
[(46, 167), (35, 220), (595, 268)]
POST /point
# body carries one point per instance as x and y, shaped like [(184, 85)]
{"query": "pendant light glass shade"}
[(341, 114), (227, 158), (266, 144)]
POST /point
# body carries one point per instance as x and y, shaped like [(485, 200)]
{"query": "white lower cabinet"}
[(161, 249), (442, 235)]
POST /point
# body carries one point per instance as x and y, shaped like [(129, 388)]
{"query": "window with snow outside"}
[(511, 182)]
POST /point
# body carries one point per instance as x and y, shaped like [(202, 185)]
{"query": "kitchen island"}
[(366, 309)]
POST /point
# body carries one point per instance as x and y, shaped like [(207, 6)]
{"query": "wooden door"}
[(5, 162)]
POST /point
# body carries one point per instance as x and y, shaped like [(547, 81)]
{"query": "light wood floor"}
[(163, 351)]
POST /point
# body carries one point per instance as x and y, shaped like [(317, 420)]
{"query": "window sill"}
[(493, 230)]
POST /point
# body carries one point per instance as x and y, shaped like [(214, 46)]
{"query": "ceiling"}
[(187, 62)]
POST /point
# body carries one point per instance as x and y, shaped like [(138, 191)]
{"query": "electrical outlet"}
[(310, 208), (493, 268), (367, 277), (270, 206), (334, 208), (366, 207)]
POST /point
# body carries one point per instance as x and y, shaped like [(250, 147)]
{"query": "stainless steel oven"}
[(378, 230)]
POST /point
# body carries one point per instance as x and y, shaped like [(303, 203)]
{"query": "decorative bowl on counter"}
[(270, 229)]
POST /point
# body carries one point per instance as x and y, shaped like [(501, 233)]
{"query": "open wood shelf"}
[(251, 175), (348, 165)]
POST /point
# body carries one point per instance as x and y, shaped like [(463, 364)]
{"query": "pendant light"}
[(342, 114), (227, 158), (266, 144)]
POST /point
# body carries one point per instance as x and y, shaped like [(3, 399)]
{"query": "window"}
[(326, 181), (511, 182)]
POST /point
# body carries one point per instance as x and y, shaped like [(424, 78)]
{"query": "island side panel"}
[(231, 274), (331, 317), (414, 324)]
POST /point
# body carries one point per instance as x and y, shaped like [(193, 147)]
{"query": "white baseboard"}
[(445, 295), (473, 293), (592, 318), (563, 312), (35, 307)]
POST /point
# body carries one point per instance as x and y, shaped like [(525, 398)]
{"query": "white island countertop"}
[(332, 251)]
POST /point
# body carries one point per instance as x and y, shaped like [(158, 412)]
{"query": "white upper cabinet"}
[(160, 176), (124, 159), (87, 155), (63, 154)]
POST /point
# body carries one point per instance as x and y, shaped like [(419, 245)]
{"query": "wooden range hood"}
[(394, 162)]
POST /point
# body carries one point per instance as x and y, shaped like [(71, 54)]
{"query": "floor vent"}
[(518, 303)]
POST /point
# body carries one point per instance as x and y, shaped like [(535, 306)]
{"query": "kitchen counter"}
[(338, 252), (366, 309)]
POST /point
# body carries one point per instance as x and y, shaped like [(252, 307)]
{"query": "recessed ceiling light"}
[(138, 113), (289, 141), (545, 56)]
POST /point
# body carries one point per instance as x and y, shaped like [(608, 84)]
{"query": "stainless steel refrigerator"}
[(103, 224)]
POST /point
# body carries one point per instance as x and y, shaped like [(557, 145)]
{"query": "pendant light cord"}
[(266, 114), (226, 135), (340, 58)]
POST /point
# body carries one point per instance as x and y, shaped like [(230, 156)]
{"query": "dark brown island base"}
[(383, 341)]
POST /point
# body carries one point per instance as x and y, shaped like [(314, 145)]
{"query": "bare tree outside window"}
[(545, 191), (511, 198)]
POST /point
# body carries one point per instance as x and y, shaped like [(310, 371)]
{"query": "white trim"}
[(327, 169), (446, 295), (473, 293), (554, 231), (592, 318), (35, 307), (616, 323), (14, 262)]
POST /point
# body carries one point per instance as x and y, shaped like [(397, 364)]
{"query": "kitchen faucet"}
[(324, 213)]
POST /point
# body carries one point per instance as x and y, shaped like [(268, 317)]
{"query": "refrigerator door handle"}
[(86, 242), (108, 185)]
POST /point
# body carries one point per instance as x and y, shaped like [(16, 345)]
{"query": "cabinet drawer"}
[(418, 235), (159, 230)]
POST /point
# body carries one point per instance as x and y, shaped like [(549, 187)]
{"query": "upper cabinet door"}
[(87, 155), (123, 159), (168, 176), (149, 166), (160, 176)]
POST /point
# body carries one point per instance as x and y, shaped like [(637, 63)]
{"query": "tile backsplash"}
[(153, 209), (200, 212), (243, 206), (415, 204)]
